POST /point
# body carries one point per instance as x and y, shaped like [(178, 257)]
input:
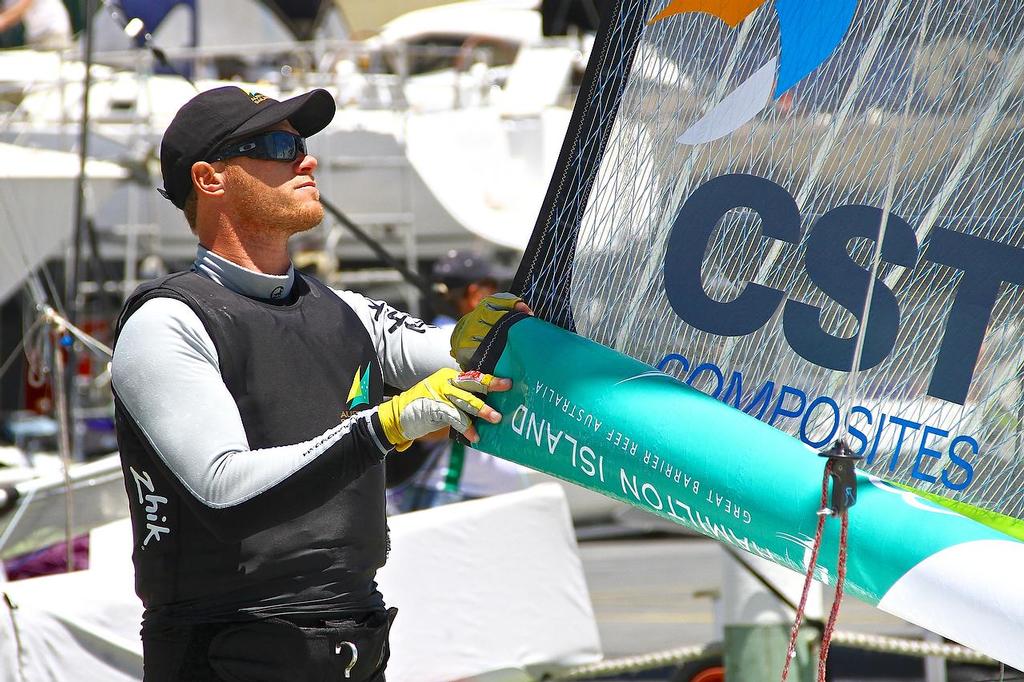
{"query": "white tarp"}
[(487, 589)]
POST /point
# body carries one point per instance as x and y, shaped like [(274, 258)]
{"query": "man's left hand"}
[(473, 327)]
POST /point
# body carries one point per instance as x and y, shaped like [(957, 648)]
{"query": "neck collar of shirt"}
[(242, 280)]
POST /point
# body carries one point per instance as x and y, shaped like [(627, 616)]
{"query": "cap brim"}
[(500, 275), (309, 113), (504, 274)]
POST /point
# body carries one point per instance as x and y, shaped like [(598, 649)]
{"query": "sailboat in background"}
[(393, 158), (630, 252)]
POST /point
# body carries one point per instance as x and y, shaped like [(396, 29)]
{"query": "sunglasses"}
[(277, 145)]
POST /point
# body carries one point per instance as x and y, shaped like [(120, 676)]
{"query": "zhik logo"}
[(810, 31)]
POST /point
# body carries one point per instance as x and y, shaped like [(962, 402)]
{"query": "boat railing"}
[(364, 74), (368, 74)]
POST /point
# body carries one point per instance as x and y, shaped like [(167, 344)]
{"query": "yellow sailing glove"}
[(473, 327), (445, 398)]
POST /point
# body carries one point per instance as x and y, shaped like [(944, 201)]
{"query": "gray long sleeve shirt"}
[(195, 428)]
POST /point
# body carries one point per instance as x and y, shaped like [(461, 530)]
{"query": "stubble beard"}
[(268, 209)]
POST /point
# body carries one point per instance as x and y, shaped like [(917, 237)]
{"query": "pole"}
[(757, 622), (65, 432), (407, 274), (934, 666), (73, 274)]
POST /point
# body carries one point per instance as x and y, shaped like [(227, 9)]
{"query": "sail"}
[(814, 213), (774, 225)]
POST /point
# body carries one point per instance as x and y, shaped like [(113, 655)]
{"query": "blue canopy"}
[(153, 12), (301, 17)]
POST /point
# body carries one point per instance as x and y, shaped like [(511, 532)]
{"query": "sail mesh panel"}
[(929, 94)]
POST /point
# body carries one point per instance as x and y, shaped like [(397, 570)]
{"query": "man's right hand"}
[(445, 398)]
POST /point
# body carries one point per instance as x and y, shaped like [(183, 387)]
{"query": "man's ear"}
[(206, 179)]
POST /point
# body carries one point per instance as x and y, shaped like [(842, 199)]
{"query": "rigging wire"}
[(53, 291), (64, 325), (33, 285), (36, 351), (17, 349), (67, 404), (408, 275), (853, 379)]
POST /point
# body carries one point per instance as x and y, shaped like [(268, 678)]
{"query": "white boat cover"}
[(490, 589), (39, 517), (515, 21), (37, 190), (488, 172)]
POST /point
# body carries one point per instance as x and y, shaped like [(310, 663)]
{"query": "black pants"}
[(180, 655), (183, 654)]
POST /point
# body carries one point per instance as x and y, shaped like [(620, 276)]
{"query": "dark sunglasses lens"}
[(285, 146), (277, 146)]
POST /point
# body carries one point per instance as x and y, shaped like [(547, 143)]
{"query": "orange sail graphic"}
[(732, 12)]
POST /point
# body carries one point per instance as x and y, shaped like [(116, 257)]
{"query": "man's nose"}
[(306, 165)]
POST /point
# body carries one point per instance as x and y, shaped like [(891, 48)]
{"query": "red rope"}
[(826, 636), (809, 578)]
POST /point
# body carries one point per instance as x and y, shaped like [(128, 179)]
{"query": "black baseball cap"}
[(216, 116)]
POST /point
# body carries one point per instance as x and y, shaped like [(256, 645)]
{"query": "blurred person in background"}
[(46, 22), (451, 471)]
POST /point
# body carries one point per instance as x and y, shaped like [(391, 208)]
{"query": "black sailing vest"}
[(309, 544)]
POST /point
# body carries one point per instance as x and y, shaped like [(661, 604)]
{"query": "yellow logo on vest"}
[(359, 394), (257, 98)]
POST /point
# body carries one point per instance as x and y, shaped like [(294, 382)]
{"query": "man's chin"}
[(317, 215), (307, 219)]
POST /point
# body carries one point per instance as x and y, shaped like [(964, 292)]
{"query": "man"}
[(451, 471), (251, 415), (46, 22)]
